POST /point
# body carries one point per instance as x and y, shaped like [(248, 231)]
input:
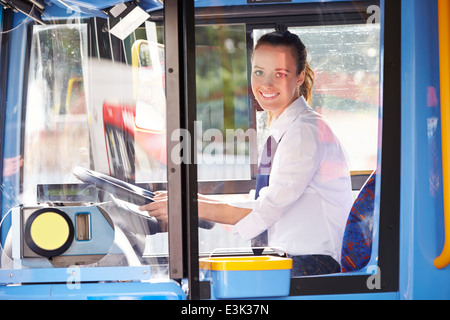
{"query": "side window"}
[(55, 95), (150, 120), (223, 112), (345, 55), (346, 62), (223, 120), (91, 111)]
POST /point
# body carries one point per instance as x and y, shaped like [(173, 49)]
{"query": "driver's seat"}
[(357, 241)]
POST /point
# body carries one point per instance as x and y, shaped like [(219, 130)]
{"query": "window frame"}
[(388, 252), (5, 20)]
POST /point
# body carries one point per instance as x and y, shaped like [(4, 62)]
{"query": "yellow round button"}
[(49, 231)]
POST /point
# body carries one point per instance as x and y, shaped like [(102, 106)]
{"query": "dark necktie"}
[(262, 180)]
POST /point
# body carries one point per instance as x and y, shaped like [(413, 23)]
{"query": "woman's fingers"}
[(155, 209), (160, 195), (158, 210)]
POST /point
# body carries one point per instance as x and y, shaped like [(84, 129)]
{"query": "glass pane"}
[(223, 119), (344, 58), (89, 145), (56, 107), (346, 62), (222, 102)]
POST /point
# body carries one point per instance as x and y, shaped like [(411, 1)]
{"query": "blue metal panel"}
[(74, 274), (155, 4), (422, 232), (16, 66), (82, 8), (164, 290), (13, 114), (91, 4), (167, 290), (55, 12), (75, 283)]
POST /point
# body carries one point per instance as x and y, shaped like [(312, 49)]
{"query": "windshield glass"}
[(236, 118), (93, 110)]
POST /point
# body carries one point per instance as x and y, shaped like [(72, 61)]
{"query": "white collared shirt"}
[(306, 205)]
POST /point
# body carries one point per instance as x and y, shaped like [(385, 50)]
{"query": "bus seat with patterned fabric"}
[(357, 241)]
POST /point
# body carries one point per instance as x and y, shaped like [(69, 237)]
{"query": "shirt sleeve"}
[(245, 204), (296, 162)]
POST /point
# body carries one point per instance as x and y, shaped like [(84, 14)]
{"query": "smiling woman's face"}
[(275, 80)]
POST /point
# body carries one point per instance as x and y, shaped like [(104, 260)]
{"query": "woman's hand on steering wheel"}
[(158, 209)]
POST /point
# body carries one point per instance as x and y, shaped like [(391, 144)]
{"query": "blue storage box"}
[(247, 277)]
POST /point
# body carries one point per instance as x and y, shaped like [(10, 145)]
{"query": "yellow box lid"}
[(247, 263)]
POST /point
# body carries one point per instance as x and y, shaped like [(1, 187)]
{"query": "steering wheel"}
[(120, 189), (123, 190)]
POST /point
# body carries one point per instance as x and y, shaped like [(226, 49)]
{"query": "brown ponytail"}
[(307, 86)]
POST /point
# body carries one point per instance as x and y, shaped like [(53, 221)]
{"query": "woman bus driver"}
[(305, 206)]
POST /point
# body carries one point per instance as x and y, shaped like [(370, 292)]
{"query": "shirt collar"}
[(282, 123)]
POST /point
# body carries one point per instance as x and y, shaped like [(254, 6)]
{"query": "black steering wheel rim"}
[(120, 189)]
